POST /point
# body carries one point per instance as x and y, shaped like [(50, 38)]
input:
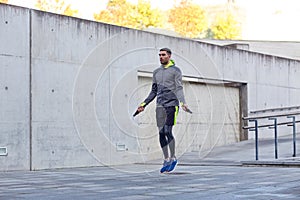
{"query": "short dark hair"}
[(167, 50)]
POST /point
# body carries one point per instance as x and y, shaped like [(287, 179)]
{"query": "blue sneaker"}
[(172, 165), (166, 166)]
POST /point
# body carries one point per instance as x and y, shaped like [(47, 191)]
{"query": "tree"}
[(123, 13), (226, 27), (3, 1), (147, 17), (117, 12), (56, 6), (188, 19)]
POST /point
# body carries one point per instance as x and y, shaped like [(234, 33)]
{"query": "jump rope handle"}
[(136, 113), (189, 111)]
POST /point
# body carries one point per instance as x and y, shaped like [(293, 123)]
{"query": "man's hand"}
[(141, 109), (184, 107)]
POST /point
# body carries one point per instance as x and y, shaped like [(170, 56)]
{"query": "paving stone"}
[(217, 176)]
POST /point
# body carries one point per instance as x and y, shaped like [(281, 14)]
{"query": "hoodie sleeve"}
[(179, 87), (152, 93)]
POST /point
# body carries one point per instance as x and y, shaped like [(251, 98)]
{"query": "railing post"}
[(275, 136), (294, 134), (256, 136)]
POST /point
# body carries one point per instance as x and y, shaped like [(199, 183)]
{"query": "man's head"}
[(164, 55)]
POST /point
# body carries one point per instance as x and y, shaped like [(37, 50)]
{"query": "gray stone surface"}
[(191, 182), (219, 175)]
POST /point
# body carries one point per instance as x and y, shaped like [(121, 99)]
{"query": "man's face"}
[(164, 57)]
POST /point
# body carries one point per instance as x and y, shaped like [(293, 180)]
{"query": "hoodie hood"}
[(171, 63)]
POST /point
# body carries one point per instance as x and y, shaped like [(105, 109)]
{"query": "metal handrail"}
[(268, 116), (270, 125), (274, 125)]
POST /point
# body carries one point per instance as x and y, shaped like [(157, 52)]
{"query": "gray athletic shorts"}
[(166, 115)]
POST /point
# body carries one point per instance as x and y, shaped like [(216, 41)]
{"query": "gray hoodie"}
[(166, 86)]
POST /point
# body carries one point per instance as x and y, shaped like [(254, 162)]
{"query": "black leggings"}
[(165, 135), (166, 118)]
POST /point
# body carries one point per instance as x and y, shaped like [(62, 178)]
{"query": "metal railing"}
[(274, 117)]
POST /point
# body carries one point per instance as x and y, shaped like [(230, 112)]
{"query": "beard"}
[(164, 62)]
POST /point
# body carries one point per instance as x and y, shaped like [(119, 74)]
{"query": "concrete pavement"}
[(218, 174)]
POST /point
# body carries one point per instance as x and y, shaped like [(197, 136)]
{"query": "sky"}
[(265, 19)]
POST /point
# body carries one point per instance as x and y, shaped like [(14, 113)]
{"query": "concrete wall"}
[(14, 87), (272, 81), (283, 49), (69, 87)]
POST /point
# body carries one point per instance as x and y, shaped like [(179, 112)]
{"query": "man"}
[(167, 87)]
